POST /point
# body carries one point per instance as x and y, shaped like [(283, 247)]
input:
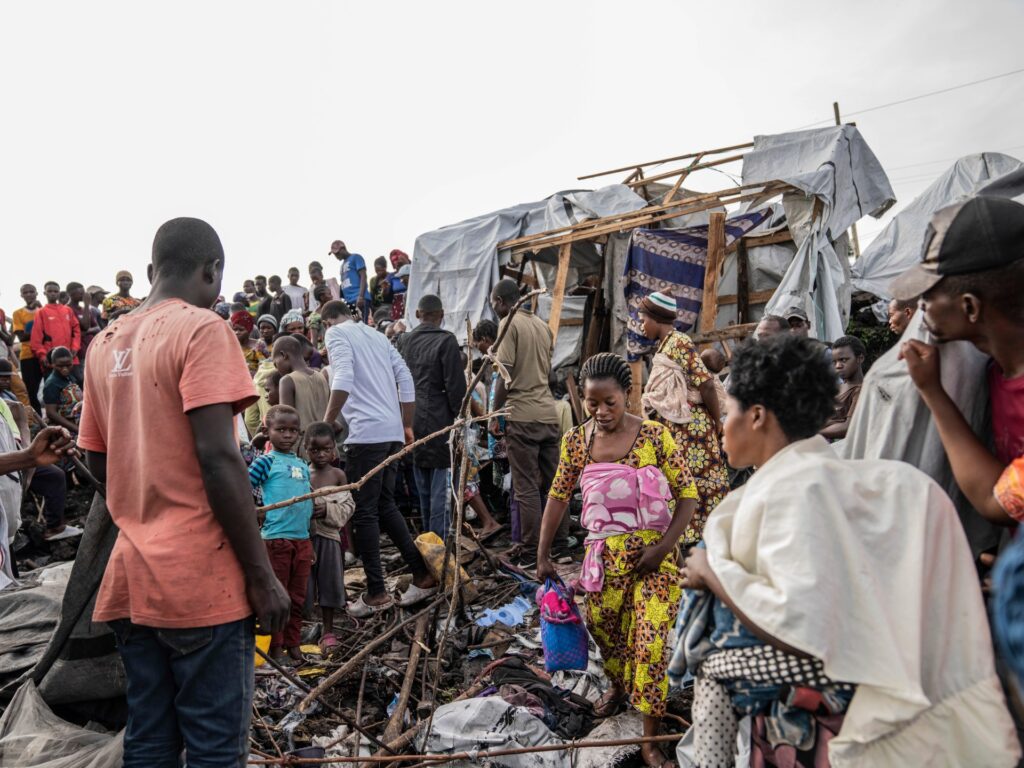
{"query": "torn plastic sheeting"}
[(898, 247), (28, 617), (836, 167), (490, 723), (460, 262), (31, 736)]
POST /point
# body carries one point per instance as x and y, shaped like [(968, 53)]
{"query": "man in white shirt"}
[(373, 389)]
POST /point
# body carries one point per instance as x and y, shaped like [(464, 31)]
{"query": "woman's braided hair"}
[(607, 366)]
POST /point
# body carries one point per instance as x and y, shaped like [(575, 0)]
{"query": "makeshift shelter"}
[(776, 240), (898, 246)]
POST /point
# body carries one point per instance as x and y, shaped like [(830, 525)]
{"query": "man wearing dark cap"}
[(971, 287), (798, 323), (432, 355)]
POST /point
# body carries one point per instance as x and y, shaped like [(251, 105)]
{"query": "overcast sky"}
[(287, 125)]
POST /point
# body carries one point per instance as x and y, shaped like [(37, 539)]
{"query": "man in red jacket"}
[(56, 326)]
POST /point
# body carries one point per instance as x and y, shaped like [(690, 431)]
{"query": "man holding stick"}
[(373, 389)]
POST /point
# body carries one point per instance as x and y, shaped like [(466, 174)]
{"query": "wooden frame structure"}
[(663, 206)]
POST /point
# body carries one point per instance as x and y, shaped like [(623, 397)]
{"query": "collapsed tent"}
[(842, 181), (800, 193), (898, 246)]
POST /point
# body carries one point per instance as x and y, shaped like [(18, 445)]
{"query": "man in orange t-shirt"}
[(189, 569)]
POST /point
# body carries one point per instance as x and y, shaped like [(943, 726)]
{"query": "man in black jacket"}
[(432, 355)]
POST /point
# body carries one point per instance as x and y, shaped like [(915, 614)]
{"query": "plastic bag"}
[(562, 631), (31, 736)]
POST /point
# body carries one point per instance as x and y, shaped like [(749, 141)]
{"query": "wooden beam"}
[(669, 174), (633, 401), (558, 297), (716, 255), (721, 334), (742, 283), (540, 237), (748, 145), (641, 218), (782, 236), (757, 297), (682, 177)]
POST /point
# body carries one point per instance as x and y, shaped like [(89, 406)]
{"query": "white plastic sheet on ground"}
[(31, 736), (489, 724), (898, 247), (836, 167)]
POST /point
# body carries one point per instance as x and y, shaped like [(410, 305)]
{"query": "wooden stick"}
[(352, 664), (438, 759), (638, 166), (392, 729), (327, 705), (328, 490), (720, 334), (743, 296), (359, 709), (669, 174)]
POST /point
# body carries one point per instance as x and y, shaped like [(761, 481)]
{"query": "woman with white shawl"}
[(842, 586)]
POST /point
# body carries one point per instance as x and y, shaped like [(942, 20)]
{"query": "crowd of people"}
[(726, 542)]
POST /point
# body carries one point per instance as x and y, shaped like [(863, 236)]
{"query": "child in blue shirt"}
[(281, 475)]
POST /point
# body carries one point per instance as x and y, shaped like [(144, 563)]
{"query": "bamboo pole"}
[(688, 170)]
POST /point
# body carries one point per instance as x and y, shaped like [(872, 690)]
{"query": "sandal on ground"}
[(488, 536), (609, 703), (360, 609), (414, 595), (65, 532), (328, 641)]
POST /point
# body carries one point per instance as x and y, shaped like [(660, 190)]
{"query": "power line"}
[(915, 98), (944, 159)]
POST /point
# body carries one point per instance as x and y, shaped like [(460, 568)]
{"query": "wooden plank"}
[(748, 145), (679, 181), (757, 297), (742, 283), (647, 216), (633, 402), (540, 237), (782, 236), (558, 297), (720, 334), (716, 255), (669, 174)]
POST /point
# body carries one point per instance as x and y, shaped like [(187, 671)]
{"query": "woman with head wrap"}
[(266, 325), (242, 325), (121, 302), (681, 395), (292, 322)]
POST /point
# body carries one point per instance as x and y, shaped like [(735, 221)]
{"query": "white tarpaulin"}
[(836, 167), (460, 262), (898, 247)]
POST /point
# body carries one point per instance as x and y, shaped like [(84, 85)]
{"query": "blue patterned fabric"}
[(672, 261)]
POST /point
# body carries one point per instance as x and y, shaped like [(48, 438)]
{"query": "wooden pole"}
[(742, 283), (558, 297), (716, 255), (687, 156), (853, 228)]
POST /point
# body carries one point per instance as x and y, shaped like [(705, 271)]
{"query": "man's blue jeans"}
[(190, 688), (432, 486)]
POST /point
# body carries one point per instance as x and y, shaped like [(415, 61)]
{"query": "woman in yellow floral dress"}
[(638, 498), (700, 436)]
